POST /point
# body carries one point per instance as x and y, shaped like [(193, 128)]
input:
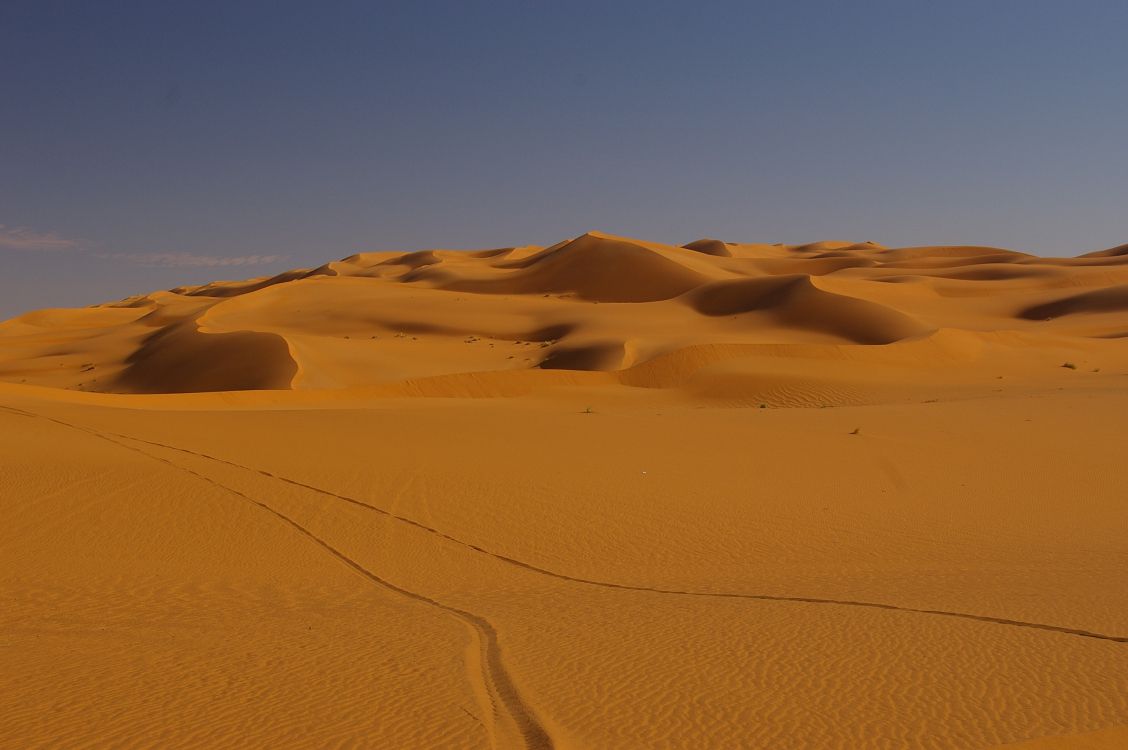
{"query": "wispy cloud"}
[(22, 238), (189, 260), (31, 240)]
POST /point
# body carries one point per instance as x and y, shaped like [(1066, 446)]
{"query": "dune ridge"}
[(593, 303)]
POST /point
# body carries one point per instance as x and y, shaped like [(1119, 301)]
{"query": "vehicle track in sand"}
[(1078, 632), (513, 721)]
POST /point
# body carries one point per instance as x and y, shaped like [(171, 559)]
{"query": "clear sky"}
[(147, 144)]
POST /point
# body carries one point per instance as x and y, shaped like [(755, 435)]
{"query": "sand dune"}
[(1113, 252), (596, 302), (709, 247), (1111, 299), (608, 493), (181, 358), (797, 302)]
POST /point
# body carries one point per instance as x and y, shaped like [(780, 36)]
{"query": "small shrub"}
[(1069, 365)]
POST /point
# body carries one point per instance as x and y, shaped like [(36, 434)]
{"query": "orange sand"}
[(606, 494)]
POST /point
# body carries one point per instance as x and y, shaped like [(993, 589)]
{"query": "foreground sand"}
[(918, 541)]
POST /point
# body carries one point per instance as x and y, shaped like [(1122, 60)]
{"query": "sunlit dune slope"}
[(596, 303)]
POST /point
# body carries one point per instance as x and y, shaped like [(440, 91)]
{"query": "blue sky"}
[(148, 144)]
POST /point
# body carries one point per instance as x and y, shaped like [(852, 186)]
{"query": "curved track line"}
[(502, 692), (610, 584)]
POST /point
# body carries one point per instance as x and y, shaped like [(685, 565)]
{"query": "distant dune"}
[(593, 303)]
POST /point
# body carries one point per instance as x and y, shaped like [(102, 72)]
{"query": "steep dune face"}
[(796, 301), (182, 359), (1112, 299), (596, 303)]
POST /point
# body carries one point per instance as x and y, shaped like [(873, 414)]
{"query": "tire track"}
[(622, 586), (502, 693)]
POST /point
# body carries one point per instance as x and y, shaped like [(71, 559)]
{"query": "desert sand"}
[(605, 494)]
